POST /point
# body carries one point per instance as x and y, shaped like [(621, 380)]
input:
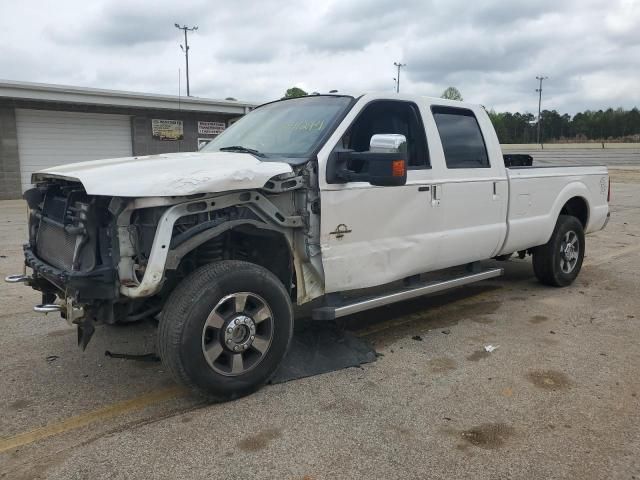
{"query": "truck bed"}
[(537, 195)]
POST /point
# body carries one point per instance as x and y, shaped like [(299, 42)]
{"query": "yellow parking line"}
[(78, 421)]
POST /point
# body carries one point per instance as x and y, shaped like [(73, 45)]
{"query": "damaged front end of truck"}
[(72, 255), (217, 246), (101, 259)]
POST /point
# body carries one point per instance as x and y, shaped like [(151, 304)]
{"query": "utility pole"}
[(397, 79), (540, 78), (185, 48)]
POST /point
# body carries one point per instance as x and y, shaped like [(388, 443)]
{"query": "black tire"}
[(182, 336), (551, 263)]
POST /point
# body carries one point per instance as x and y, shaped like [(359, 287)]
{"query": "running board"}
[(366, 303)]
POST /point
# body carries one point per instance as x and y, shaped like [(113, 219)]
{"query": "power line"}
[(185, 48), (540, 78), (397, 79)]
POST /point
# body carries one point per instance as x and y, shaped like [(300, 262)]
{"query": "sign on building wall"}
[(210, 128), (167, 129)]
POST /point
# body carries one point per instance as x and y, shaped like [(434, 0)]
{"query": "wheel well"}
[(577, 207), (266, 248)]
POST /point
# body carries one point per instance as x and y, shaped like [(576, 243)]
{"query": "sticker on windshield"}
[(306, 126)]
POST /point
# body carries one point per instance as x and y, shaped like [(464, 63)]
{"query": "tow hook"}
[(47, 308), (70, 312), (18, 278), (74, 315)]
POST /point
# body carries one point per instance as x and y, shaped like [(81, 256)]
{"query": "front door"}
[(375, 235)]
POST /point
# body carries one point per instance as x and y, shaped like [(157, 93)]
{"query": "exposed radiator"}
[(55, 245)]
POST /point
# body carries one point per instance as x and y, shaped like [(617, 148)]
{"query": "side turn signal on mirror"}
[(398, 168)]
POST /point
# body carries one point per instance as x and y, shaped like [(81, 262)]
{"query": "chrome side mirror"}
[(388, 143)]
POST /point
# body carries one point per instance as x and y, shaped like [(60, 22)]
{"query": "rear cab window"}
[(461, 138)]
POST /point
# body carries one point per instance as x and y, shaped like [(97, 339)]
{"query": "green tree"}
[(452, 93), (294, 92), (602, 125)]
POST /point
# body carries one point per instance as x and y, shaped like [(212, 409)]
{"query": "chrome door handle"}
[(436, 193)]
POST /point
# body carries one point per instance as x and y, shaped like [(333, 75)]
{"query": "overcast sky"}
[(254, 50)]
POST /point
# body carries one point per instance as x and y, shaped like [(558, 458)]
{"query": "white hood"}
[(169, 174)]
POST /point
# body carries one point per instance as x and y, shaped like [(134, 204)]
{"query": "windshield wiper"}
[(240, 148)]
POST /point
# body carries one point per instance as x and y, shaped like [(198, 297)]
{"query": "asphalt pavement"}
[(559, 397)]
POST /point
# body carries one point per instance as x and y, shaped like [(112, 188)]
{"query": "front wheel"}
[(558, 262), (225, 329)]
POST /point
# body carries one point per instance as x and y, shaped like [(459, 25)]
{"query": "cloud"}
[(355, 25), (126, 24), (254, 50)]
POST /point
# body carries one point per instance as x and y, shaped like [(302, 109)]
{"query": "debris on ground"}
[(146, 357), (490, 348), (52, 358), (417, 337), (446, 331)]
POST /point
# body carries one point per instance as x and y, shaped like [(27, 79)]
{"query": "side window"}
[(461, 138), (389, 116)]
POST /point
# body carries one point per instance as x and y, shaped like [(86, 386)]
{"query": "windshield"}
[(292, 128)]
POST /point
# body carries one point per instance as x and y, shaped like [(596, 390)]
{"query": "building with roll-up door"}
[(46, 125)]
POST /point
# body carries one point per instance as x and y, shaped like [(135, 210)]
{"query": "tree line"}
[(589, 126), (617, 125)]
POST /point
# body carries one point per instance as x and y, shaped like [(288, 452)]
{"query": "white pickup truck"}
[(307, 199)]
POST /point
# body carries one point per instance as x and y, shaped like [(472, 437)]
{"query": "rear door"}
[(471, 190)]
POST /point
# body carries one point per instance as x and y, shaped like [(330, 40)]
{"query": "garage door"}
[(47, 138)]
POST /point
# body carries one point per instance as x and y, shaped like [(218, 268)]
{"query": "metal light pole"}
[(540, 78), (399, 65), (185, 48)]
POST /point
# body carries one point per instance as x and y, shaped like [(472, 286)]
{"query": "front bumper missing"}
[(98, 284), (77, 289), (73, 313), (70, 311)]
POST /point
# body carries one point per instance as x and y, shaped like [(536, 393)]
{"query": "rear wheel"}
[(558, 262), (225, 329)]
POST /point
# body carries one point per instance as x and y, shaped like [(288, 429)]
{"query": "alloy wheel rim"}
[(237, 333), (569, 251)]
